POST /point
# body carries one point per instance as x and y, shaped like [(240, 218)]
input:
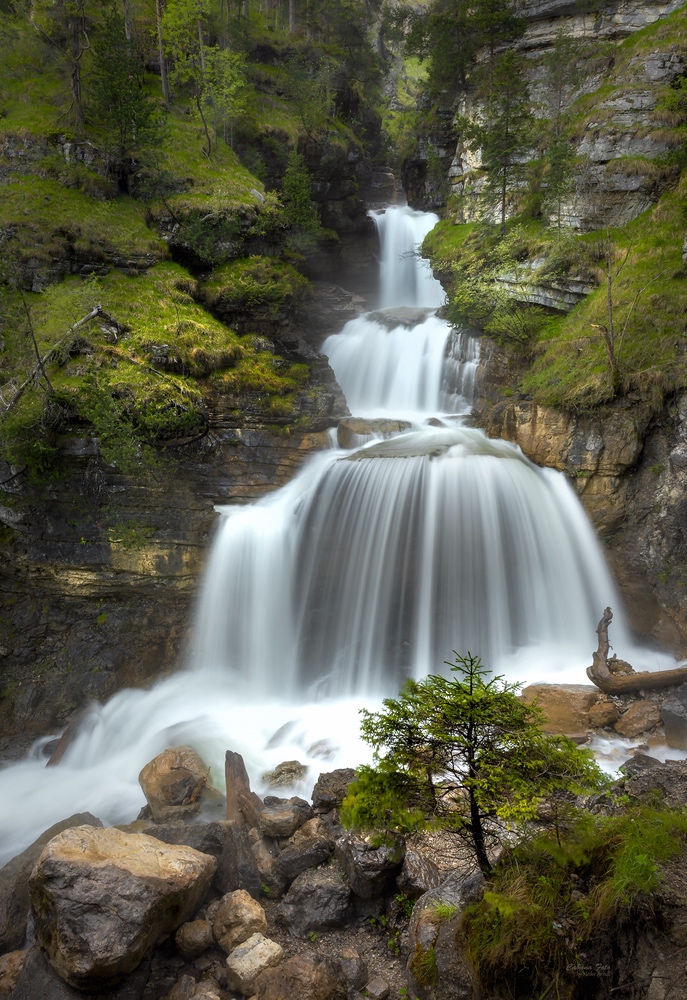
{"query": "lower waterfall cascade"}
[(372, 565)]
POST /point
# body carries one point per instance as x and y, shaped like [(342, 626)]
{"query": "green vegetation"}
[(459, 753), (548, 898), (253, 282)]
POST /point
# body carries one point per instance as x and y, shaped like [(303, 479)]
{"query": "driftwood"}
[(602, 674)]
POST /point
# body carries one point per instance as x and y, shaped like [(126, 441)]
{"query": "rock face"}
[(103, 898), (646, 778)]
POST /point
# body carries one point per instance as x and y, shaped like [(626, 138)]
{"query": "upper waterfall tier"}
[(405, 279)]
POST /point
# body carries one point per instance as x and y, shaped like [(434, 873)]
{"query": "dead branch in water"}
[(601, 672)]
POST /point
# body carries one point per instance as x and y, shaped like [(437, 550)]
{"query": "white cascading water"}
[(372, 565)]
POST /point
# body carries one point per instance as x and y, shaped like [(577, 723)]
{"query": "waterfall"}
[(370, 566)]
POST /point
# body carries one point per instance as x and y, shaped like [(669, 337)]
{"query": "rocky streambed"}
[(216, 896)]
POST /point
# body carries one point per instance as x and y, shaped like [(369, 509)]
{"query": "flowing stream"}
[(370, 566)]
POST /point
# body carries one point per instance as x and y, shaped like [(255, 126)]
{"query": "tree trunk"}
[(75, 80), (601, 675), (201, 45), (292, 16), (478, 835), (159, 8), (127, 26)]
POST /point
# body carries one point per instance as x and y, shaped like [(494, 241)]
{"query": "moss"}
[(548, 897), (41, 210), (253, 283)]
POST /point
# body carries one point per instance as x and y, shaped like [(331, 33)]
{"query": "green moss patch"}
[(254, 283)]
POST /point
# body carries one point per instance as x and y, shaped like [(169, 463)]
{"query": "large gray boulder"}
[(319, 899), (103, 898), (282, 817), (647, 779), (438, 967), (331, 789), (674, 714), (309, 847), (176, 785), (237, 918), (371, 867), (14, 883)]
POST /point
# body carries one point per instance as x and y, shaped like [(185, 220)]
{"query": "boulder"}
[(354, 431), (282, 817), (228, 843), (183, 989), (237, 918), (265, 855), (103, 898), (193, 938), (640, 716), (647, 778), (319, 899), (286, 774), (331, 789), (674, 715), (243, 805), (371, 867), (418, 875), (377, 989), (565, 706), (603, 713), (11, 965), (309, 847), (305, 977), (39, 981), (14, 883), (354, 968), (175, 784), (249, 959), (434, 930)]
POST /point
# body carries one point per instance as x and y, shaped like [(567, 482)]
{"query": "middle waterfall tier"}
[(373, 565)]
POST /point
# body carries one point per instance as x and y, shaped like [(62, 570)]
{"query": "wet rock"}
[(307, 977), (640, 716), (674, 715), (331, 789), (603, 713), (434, 926), (265, 854), (39, 981), (102, 898), (319, 899), (249, 959), (11, 965), (565, 706), (354, 968), (286, 774), (228, 843), (327, 310), (175, 784), (14, 883), (647, 778), (309, 847), (418, 875), (354, 431), (281, 818), (371, 868), (243, 806), (237, 918), (193, 938)]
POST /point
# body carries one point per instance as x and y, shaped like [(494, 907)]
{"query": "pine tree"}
[(124, 119), (504, 133)]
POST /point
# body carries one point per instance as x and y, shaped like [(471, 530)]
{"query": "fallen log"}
[(601, 674)]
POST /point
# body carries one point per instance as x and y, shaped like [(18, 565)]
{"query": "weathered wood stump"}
[(601, 674)]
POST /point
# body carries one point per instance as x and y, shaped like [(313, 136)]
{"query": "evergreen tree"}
[(456, 752), (562, 77), (124, 118), (504, 133), (65, 26), (299, 212)]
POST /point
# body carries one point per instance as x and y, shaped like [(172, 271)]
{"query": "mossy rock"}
[(254, 283)]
